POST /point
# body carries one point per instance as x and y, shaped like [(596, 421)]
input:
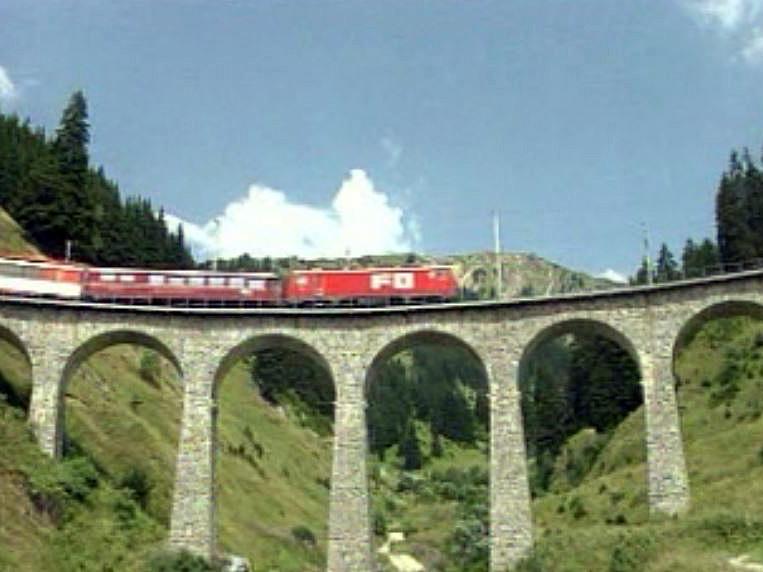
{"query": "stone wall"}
[(203, 344)]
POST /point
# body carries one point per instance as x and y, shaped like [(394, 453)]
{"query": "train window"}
[(216, 281), (177, 280), (127, 278), (302, 280), (256, 284), (108, 278), (156, 279), (11, 270), (196, 281), (236, 282)]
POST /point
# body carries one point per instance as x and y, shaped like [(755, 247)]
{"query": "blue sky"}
[(313, 127)]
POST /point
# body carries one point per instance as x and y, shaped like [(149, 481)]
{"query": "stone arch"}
[(578, 326), (722, 309), (265, 341), (109, 338), (8, 336), (417, 337), (95, 344), (248, 346)]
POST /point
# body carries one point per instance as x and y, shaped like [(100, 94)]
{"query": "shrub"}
[(730, 529), (180, 562), (72, 479), (631, 553), (303, 535), (379, 522), (577, 509), (138, 484)]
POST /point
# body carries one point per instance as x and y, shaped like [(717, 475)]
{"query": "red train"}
[(368, 286)]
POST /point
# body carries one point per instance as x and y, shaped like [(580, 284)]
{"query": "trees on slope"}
[(51, 190)]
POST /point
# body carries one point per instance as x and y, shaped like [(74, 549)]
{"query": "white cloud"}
[(739, 20), (728, 14), (753, 51), (613, 275), (360, 220), (8, 90)]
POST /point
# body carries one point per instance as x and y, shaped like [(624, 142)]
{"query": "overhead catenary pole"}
[(647, 258), (497, 241)]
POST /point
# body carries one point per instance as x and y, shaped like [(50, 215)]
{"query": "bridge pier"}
[(46, 416), (667, 477), (350, 541), (193, 526), (511, 536)]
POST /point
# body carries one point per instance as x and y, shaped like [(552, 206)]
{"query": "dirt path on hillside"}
[(400, 562), (742, 563)]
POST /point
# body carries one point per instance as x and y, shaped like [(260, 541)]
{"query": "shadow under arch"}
[(415, 338), (9, 336), (726, 309), (17, 396), (104, 340), (579, 326), (261, 342)]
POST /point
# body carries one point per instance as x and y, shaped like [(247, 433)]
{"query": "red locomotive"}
[(370, 286), (367, 286)]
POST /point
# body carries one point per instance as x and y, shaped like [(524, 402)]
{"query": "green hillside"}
[(12, 239), (602, 524)]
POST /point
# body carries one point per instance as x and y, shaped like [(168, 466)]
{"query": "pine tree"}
[(642, 275), (72, 138), (667, 268), (410, 450), (689, 260), (735, 243), (753, 203)]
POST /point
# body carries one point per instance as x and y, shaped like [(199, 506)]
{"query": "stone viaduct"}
[(651, 323)]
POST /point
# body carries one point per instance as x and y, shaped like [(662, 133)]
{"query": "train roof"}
[(182, 272), (41, 261), (371, 269)]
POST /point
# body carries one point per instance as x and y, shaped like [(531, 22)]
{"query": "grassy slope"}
[(263, 496), (12, 239), (122, 421), (722, 444)]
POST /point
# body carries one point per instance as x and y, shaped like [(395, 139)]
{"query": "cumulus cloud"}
[(359, 220), (729, 14), (613, 275), (740, 20), (8, 90)]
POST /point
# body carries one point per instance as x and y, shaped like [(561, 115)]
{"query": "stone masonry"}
[(649, 322)]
